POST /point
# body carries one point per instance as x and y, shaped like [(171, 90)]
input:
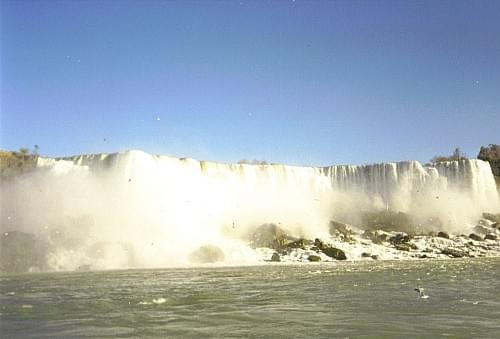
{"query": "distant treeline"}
[(16, 162), (486, 153)]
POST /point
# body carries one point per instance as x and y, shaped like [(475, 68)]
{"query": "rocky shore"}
[(351, 243), (380, 238)]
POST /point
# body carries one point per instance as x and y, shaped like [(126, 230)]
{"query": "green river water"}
[(368, 299)]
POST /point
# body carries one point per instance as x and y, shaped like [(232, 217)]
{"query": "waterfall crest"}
[(138, 209)]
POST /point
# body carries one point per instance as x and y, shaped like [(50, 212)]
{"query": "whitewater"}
[(134, 209)]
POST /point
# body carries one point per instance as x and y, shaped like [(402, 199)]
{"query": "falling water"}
[(136, 209)]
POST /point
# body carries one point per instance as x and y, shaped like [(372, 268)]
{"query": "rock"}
[(375, 257), (275, 257), (377, 237), (271, 236), (296, 244), (314, 258), (337, 228), (453, 252), (490, 236), (319, 244), (481, 229), (366, 255), (442, 234), (399, 238), (402, 247), (494, 225), (207, 254), (475, 237), (423, 256), (492, 217), (334, 252)]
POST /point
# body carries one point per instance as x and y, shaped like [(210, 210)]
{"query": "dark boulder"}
[(318, 244), (296, 244), (275, 257), (329, 250), (490, 236), (453, 252), (365, 255), (334, 252), (314, 258), (400, 238), (475, 237), (443, 235)]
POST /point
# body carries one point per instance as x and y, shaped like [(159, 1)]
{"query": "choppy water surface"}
[(360, 299)]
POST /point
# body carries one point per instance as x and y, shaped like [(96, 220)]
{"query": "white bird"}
[(421, 293)]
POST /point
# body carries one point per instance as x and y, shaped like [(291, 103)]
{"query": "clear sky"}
[(298, 82)]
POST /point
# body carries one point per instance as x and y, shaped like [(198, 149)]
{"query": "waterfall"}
[(133, 208)]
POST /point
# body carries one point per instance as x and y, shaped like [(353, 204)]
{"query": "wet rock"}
[(275, 257), (494, 225), (207, 254), (475, 237), (334, 252), (490, 236), (377, 237), (345, 232), (443, 235), (402, 247), (271, 236), (335, 226), (375, 257), (318, 244), (399, 238), (492, 217), (453, 252), (313, 257), (296, 244), (481, 229), (366, 255)]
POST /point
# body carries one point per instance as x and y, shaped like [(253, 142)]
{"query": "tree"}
[(456, 156), (489, 153), (35, 150)]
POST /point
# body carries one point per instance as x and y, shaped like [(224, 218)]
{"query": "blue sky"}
[(298, 82)]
